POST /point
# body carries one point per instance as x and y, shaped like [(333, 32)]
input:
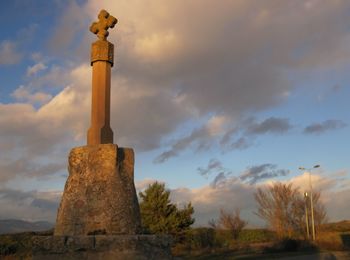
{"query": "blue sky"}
[(204, 94)]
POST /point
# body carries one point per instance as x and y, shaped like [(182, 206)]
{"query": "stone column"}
[(100, 131)]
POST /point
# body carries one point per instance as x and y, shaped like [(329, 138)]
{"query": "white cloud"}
[(171, 70), (155, 47), (216, 125), (232, 193), (9, 54), (32, 70), (207, 200), (143, 184), (223, 62), (23, 94)]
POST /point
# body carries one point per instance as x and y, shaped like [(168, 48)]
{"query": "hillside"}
[(8, 226), (341, 226)]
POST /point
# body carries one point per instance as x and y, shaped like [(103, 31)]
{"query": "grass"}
[(206, 243), (18, 244)]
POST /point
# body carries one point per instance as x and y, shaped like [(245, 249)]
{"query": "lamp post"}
[(306, 217), (311, 200)]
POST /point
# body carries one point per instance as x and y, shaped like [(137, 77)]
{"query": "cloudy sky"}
[(216, 98)]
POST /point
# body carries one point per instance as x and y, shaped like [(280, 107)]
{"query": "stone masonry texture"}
[(120, 247), (99, 196)]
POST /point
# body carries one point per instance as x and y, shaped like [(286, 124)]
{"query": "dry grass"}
[(333, 241)]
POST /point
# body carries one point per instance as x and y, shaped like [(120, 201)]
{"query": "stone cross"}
[(105, 21), (102, 54)]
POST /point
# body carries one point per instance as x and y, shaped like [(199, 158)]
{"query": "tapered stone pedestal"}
[(99, 196), (99, 215)]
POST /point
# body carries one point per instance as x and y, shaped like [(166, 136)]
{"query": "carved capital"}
[(102, 51)]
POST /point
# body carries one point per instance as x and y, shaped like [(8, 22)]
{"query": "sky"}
[(217, 98)]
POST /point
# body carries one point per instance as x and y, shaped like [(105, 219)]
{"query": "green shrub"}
[(8, 246), (256, 235), (19, 243), (201, 238), (160, 216), (205, 238)]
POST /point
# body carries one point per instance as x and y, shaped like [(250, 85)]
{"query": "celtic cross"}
[(105, 21)]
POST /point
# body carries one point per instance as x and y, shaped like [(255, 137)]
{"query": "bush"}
[(8, 246), (160, 216), (19, 244), (209, 238), (257, 235), (331, 240), (290, 245), (203, 239)]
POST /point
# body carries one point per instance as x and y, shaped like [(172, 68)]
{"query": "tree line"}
[(281, 205)]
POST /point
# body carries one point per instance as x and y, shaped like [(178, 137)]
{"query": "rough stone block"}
[(99, 196), (142, 247)]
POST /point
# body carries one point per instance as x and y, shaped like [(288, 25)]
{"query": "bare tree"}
[(232, 222), (213, 223), (283, 207)]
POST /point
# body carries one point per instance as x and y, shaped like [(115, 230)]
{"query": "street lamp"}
[(311, 201), (306, 217)]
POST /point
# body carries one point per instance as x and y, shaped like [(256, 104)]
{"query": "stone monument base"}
[(112, 247), (99, 197)]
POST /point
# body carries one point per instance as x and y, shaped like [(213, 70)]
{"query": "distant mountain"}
[(8, 226)]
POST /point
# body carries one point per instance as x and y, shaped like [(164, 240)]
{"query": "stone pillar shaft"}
[(100, 131)]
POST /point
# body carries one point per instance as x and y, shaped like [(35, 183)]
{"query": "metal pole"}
[(311, 200), (312, 209), (307, 217)]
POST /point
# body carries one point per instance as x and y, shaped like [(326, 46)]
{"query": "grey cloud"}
[(270, 125), (243, 70), (261, 172), (213, 165), (219, 179), (175, 70), (29, 205), (142, 122), (242, 137), (328, 125), (249, 129), (233, 65), (240, 144), (228, 135), (73, 21), (197, 136), (235, 62), (45, 204), (24, 167), (15, 194)]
